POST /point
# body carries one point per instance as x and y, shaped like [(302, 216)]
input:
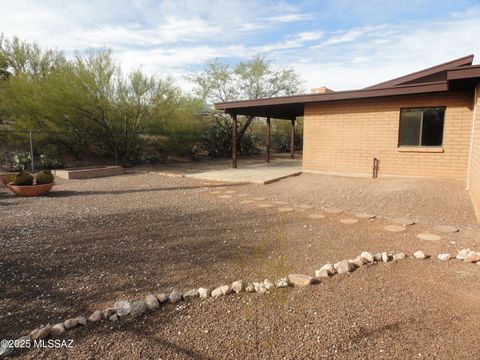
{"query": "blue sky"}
[(340, 44)]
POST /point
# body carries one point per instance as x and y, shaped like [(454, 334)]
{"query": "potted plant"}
[(6, 178), (25, 184)]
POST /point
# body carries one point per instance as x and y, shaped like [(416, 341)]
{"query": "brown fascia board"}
[(466, 60), (439, 86), (464, 72)]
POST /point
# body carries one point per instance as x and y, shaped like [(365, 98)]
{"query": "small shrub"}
[(44, 177), (8, 178), (51, 162), (23, 179), (17, 161)]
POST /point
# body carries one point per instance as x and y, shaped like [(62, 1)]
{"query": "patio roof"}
[(458, 74)]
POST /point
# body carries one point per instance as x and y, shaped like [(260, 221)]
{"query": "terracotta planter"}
[(30, 190), (4, 178)]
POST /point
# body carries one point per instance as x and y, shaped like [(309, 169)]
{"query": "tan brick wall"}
[(343, 137), (474, 173)]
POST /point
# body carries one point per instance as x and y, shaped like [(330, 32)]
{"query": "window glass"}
[(410, 127), (432, 132)]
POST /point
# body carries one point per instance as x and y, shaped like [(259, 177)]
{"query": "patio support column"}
[(292, 140), (268, 139), (234, 141)]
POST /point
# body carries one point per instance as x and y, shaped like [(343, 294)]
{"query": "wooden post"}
[(268, 139), (292, 140), (234, 141)]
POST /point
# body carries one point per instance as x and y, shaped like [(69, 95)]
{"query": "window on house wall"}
[(421, 127)]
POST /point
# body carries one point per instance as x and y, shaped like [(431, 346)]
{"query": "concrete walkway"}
[(256, 174)]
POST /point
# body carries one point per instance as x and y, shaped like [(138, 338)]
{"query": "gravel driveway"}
[(92, 242)]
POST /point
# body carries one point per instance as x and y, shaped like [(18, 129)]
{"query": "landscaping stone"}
[(162, 297), (269, 284), (57, 329), (462, 254), (386, 257), (377, 257), (226, 290), (82, 320), (138, 308), (349, 221), (333, 210), (344, 266), (367, 256), (364, 215), (260, 288), (42, 332), (5, 351), (300, 279), (358, 261), (114, 317), (216, 293), (204, 293), (237, 286), (151, 302), (250, 288), (444, 257), (70, 323), (419, 255), (282, 283), (191, 294), (122, 308), (96, 316), (395, 228), (429, 237), (472, 257), (403, 221), (264, 206), (325, 271), (175, 296), (108, 312), (399, 256), (285, 209), (448, 229), (316, 216)]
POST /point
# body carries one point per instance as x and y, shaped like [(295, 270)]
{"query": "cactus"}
[(23, 179), (44, 177)]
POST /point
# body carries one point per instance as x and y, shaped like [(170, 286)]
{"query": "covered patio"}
[(288, 112)]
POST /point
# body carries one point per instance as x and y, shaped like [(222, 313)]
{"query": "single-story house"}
[(424, 124)]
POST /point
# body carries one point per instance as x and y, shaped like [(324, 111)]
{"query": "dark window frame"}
[(444, 108)]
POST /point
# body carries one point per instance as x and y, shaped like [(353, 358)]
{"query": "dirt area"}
[(92, 242)]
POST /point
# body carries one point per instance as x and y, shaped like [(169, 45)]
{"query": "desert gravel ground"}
[(92, 242)]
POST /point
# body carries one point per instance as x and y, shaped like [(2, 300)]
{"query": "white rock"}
[(472, 257), (191, 294), (269, 284), (321, 273), (462, 254), (260, 287), (419, 255), (122, 307), (377, 257), (399, 256), (444, 257), (203, 293), (226, 289), (385, 257), (57, 329), (175, 296), (237, 286), (138, 308), (114, 317), (96, 316), (282, 283), (367, 256), (162, 297), (358, 261), (344, 266), (250, 288), (216, 293), (70, 323), (151, 302), (82, 320), (300, 279)]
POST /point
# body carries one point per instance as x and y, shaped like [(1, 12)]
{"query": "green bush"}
[(44, 177), (23, 179)]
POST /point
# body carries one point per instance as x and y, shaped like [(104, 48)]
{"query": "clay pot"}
[(30, 190)]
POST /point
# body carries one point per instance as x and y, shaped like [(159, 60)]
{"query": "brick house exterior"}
[(434, 109)]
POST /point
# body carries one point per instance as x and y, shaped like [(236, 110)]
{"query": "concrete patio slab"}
[(256, 174)]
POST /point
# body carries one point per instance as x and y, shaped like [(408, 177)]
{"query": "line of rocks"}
[(152, 302)]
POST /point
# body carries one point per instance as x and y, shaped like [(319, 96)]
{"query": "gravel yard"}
[(92, 242)]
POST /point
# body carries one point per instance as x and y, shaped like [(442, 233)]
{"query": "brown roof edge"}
[(464, 72), (338, 95), (465, 60)]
